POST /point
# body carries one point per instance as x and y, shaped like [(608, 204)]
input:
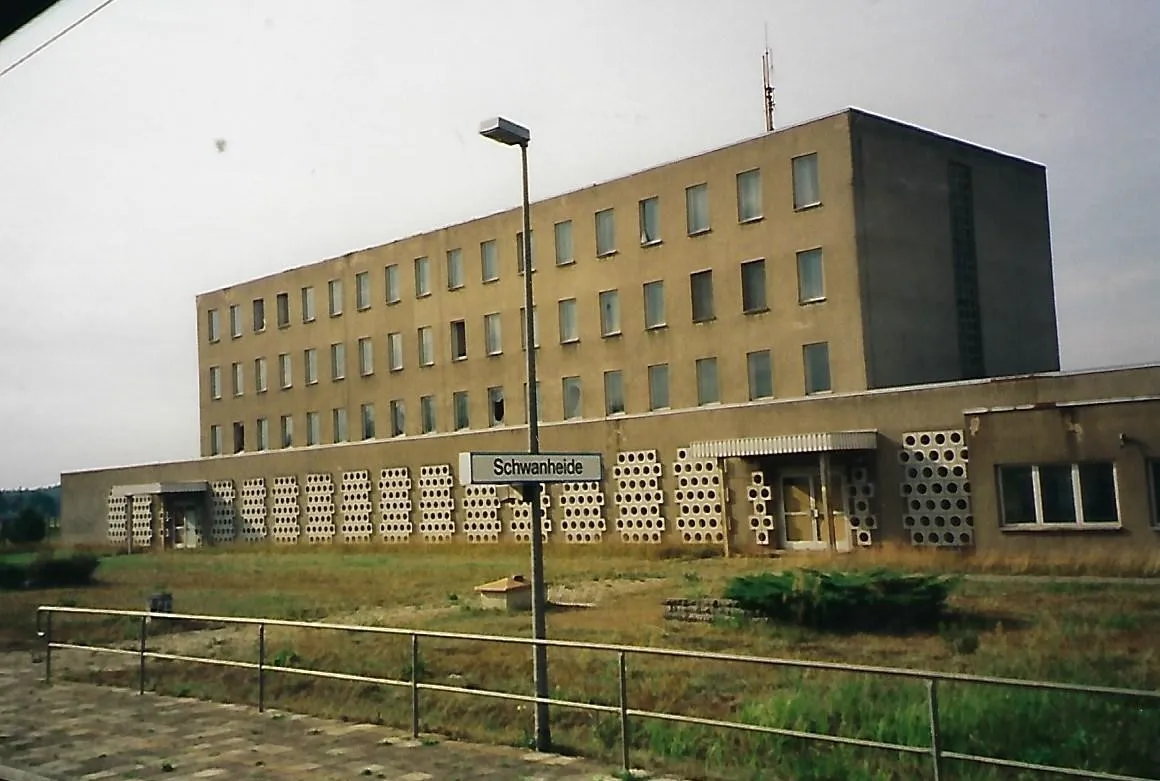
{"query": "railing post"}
[(935, 736), (48, 647), (624, 713), (414, 686), (141, 652), (261, 668)]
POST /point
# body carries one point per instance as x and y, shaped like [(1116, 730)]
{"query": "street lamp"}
[(509, 133)]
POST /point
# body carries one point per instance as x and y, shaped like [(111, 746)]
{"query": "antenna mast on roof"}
[(767, 77)]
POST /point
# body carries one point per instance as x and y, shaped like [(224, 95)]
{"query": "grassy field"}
[(1078, 632)]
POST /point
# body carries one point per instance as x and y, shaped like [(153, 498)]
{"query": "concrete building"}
[(819, 338)]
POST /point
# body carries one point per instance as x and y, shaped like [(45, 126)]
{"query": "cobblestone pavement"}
[(69, 732)]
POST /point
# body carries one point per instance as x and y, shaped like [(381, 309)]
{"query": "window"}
[(263, 427), (426, 414), (492, 337), (573, 407), (701, 290), (520, 251), (817, 367), (338, 424), (259, 315), (394, 293), (569, 329), (422, 277), (334, 294), (239, 436), (215, 440), (489, 260), (749, 196), (239, 381), (282, 304), (337, 361), (395, 351), (362, 290), (286, 424), (308, 305), (458, 340), (753, 287), (313, 428), (215, 382), (1058, 494), (806, 191), (398, 417), (811, 283), (285, 371), (654, 304), (658, 386), (235, 321), (650, 221), (613, 392), (454, 269), (367, 413), (707, 391), (213, 325), (495, 406), (460, 408), (564, 254), (260, 375), (524, 327), (760, 367), (310, 361), (697, 209), (426, 346), (605, 233), (366, 356), (609, 313)]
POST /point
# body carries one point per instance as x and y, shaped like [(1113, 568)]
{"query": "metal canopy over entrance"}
[(786, 444), (156, 489)]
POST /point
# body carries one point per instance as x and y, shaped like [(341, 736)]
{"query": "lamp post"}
[(509, 133)]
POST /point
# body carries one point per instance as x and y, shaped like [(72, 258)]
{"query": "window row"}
[(1055, 495), (750, 208)]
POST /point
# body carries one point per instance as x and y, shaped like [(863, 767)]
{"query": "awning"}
[(787, 444), (190, 487)]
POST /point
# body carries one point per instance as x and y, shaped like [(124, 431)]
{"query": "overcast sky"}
[(351, 123)]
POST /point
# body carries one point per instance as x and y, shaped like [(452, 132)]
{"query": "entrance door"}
[(801, 516)]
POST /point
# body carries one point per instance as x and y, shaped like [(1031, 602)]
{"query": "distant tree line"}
[(26, 513)]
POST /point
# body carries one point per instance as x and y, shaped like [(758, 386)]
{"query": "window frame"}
[(310, 365), (238, 375), (215, 383), (235, 317), (817, 183), (572, 307), (392, 284), (285, 371), (690, 229), (313, 428), (749, 371), (213, 326), (613, 295), (570, 258), (492, 393), (743, 219), (261, 375), (653, 371), (643, 212), (489, 260), (366, 356), (427, 415), (259, 307), (397, 412), (456, 398), (334, 297), (655, 284), (458, 337), (493, 346), (747, 288), (339, 425), (306, 298), (395, 351), (366, 414), (566, 383), (608, 214), (215, 439), (286, 431), (456, 278), (1074, 472), (799, 257), (701, 368), (337, 361), (712, 313), (282, 309), (806, 369), (262, 435), (618, 376), (362, 291), (426, 346), (422, 271)]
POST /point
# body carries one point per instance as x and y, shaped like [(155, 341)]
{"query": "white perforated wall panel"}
[(699, 496), (936, 489), (436, 503), (319, 508), (141, 508), (639, 498), (284, 510), (761, 520), (356, 506), (860, 506), (521, 526), (481, 513), (395, 504), (118, 519), (224, 523), (254, 511), (582, 511)]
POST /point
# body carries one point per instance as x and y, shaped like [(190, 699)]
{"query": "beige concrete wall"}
[(893, 413), (907, 271)]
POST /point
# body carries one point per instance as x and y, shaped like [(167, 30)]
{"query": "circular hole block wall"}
[(284, 510), (936, 489), (436, 503), (582, 512), (699, 499), (860, 506), (522, 517), (141, 516), (224, 525), (760, 497), (395, 504), (356, 506), (319, 508), (639, 499), (254, 509), (117, 519), (481, 513)]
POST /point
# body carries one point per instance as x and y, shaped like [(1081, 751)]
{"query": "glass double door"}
[(804, 525)]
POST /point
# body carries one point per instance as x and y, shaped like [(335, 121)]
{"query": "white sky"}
[(353, 122)]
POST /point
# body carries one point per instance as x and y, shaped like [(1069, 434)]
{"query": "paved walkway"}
[(69, 732)]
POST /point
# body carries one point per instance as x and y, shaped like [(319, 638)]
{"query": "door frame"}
[(820, 542)]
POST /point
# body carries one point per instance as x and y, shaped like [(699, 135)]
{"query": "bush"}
[(876, 600), (12, 576), (26, 528), (76, 570)]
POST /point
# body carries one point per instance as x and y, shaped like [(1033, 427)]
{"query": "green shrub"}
[(26, 528), (76, 570), (875, 600), (12, 576)]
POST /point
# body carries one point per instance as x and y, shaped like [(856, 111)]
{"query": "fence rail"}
[(932, 678)]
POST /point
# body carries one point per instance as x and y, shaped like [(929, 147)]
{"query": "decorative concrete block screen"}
[(284, 510), (395, 504), (319, 508), (760, 498), (522, 517), (481, 513), (436, 503), (164, 519), (356, 506), (582, 508), (118, 519), (141, 514), (254, 509), (224, 521), (936, 489), (639, 498), (859, 509), (699, 498)]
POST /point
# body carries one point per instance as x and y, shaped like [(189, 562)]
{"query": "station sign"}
[(515, 468)]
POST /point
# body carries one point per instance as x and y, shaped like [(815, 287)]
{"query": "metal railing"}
[(935, 751)]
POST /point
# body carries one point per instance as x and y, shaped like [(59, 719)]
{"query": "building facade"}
[(763, 341)]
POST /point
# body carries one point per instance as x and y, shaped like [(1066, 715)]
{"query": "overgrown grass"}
[(1103, 634)]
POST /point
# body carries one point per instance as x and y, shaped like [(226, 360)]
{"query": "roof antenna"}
[(767, 76)]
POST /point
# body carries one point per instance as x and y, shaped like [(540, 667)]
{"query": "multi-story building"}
[(762, 340)]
